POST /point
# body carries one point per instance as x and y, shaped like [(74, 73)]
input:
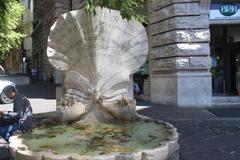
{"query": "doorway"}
[(232, 68), (225, 54)]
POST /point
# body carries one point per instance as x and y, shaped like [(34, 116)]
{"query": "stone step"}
[(226, 100)]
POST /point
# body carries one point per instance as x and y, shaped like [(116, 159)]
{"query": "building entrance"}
[(232, 68), (225, 54)]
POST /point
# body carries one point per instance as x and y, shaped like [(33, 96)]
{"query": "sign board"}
[(224, 11)]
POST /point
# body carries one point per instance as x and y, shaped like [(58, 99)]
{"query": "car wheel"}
[(5, 99)]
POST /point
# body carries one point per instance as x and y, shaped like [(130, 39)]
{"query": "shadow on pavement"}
[(38, 89), (164, 112), (4, 152), (225, 112)]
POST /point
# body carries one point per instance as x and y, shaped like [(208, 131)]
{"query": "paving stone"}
[(4, 154), (226, 112), (225, 130)]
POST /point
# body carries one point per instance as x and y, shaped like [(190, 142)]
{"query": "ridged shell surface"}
[(97, 53)]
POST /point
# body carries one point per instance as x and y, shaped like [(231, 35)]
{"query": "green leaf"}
[(128, 8)]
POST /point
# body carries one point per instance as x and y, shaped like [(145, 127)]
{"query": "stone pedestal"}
[(182, 89), (179, 55)]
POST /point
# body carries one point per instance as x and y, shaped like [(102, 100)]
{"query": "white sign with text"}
[(224, 11)]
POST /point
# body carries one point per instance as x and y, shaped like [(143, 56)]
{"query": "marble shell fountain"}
[(97, 55)]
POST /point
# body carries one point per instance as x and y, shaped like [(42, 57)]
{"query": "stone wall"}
[(179, 52), (45, 14), (77, 4)]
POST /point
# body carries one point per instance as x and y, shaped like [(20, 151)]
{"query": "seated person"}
[(21, 117)]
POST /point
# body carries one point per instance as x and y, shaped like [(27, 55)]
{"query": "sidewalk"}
[(18, 79), (205, 134)]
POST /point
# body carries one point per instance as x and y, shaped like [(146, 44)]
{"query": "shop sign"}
[(228, 9), (224, 11)]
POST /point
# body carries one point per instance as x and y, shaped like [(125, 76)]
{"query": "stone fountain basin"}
[(167, 148)]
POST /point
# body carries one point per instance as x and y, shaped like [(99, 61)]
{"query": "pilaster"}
[(179, 52)]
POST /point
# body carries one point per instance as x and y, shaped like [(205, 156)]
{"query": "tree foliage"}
[(128, 8), (10, 12)]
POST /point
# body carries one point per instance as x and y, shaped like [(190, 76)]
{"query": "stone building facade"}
[(45, 14)]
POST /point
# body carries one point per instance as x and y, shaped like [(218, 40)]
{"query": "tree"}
[(128, 8), (10, 12)]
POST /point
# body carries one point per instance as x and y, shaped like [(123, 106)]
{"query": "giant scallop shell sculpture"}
[(97, 54)]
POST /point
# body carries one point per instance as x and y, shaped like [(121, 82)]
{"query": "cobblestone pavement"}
[(203, 135)]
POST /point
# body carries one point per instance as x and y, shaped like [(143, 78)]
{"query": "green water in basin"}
[(96, 138)]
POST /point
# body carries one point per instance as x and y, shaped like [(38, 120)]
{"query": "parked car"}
[(3, 85)]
